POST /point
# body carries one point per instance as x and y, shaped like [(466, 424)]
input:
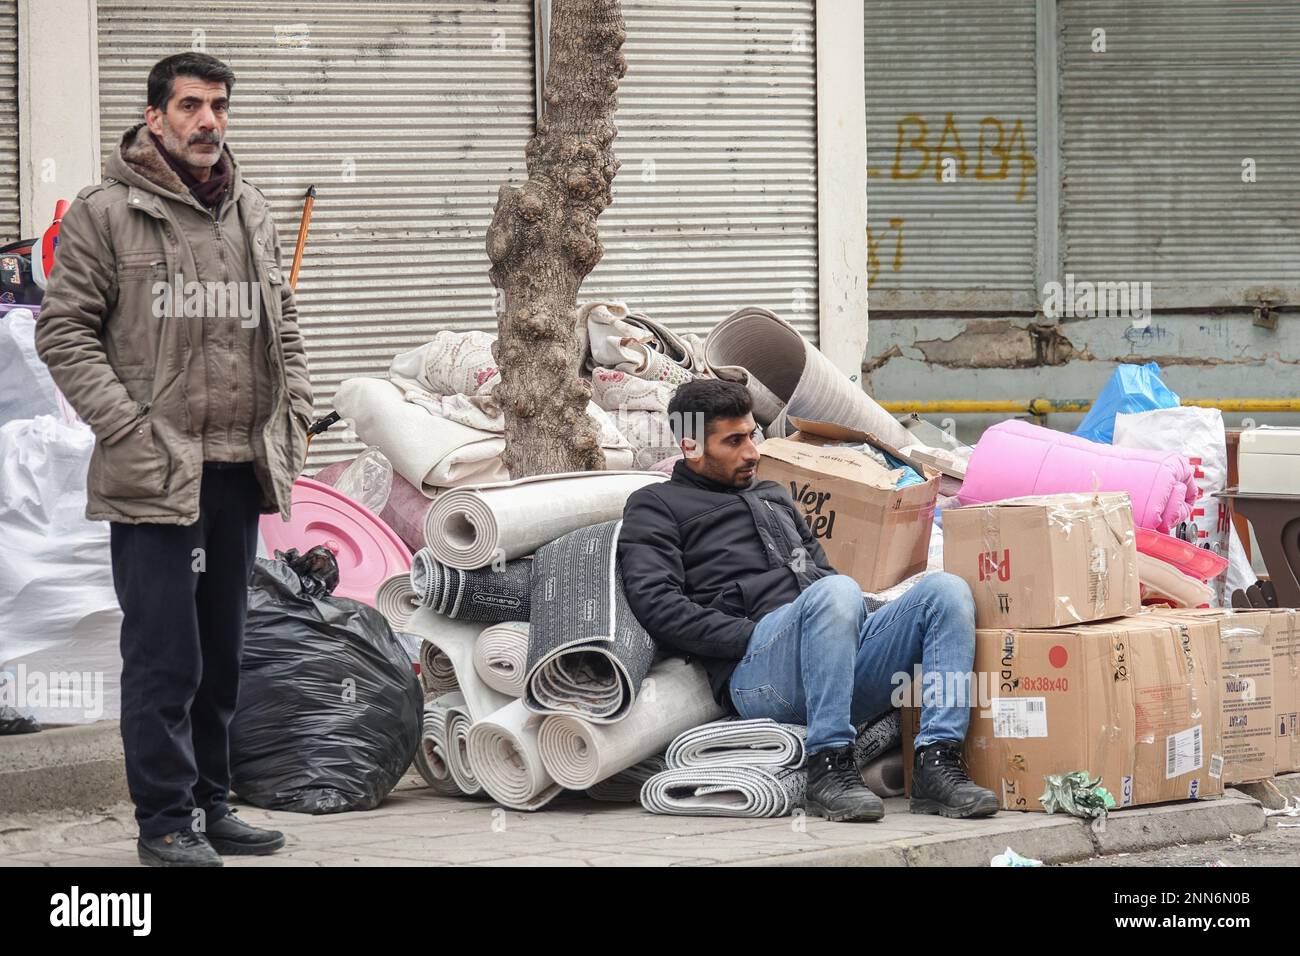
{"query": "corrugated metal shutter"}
[(943, 76), (407, 116), (1154, 134), (9, 121), (715, 205)]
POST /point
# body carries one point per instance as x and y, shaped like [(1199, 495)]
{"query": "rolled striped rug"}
[(725, 791), (503, 751)]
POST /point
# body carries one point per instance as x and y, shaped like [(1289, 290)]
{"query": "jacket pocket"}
[(132, 466), (730, 600)]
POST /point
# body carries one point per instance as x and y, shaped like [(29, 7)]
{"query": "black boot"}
[(231, 836), (180, 848), (940, 784), (836, 790)]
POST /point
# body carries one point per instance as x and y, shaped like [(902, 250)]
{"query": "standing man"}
[(170, 328), (720, 566)]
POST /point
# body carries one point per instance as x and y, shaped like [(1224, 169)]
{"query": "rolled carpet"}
[(470, 527), (877, 736), (738, 743), (458, 761), (788, 376), (437, 675), (431, 757), (625, 786), (587, 652), (502, 749), (487, 595), (725, 791), (501, 657), (579, 754), (884, 775), (396, 601), (455, 639)]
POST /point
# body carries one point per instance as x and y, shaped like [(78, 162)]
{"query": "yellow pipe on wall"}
[(1048, 406)]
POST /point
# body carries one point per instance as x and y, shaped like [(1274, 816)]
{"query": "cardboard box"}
[(1045, 561), (1132, 701), (1268, 461), (870, 530), (1245, 688), (1286, 690)]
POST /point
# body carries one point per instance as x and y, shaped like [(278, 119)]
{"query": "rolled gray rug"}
[(455, 640), (625, 786), (877, 737), (503, 752), (587, 652), (725, 791), (488, 595), (675, 697), (396, 601), (470, 527), (739, 743), (787, 376), (437, 676), (431, 757), (458, 759), (501, 657), (884, 775)]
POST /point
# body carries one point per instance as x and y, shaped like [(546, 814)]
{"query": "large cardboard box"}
[(1132, 701), (1245, 688), (1045, 561), (870, 530), (1286, 689)]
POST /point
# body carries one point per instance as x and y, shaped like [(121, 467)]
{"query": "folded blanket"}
[(470, 527), (503, 750), (501, 657), (395, 600), (587, 652), (486, 595), (579, 754), (787, 376), (739, 743), (451, 363), (633, 342), (738, 791), (455, 639), (431, 757), (1015, 459), (625, 786)]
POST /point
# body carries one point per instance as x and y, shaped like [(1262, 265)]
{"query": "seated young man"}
[(721, 568)]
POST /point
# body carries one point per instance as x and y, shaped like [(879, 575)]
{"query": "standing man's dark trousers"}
[(184, 595)]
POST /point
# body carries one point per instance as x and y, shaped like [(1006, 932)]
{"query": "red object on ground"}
[(367, 550)]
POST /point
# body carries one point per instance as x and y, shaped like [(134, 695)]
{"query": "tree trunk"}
[(543, 242)]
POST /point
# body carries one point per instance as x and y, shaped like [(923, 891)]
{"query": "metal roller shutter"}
[(1155, 131), (9, 122), (951, 79), (406, 116), (715, 205)]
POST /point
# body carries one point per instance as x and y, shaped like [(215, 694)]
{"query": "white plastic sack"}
[(26, 389), (1197, 434), (59, 618)]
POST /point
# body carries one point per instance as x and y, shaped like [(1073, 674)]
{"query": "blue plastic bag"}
[(1133, 388)]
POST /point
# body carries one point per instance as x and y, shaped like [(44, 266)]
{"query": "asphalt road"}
[(1273, 846)]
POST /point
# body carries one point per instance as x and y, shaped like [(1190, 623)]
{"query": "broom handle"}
[(303, 226)]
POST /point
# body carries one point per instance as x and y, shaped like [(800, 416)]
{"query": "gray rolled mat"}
[(739, 743), (431, 757), (504, 754), (884, 775), (675, 697), (877, 736), (625, 786), (396, 601), (455, 640), (725, 791), (788, 376), (488, 595), (587, 653), (501, 657), (458, 759), (437, 675)]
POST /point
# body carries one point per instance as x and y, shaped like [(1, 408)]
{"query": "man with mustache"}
[(200, 426), (721, 567)]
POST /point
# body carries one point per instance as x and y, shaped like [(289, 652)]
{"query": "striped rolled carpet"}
[(502, 749), (459, 722), (488, 595), (431, 757), (739, 743), (501, 657), (736, 791), (587, 652), (395, 600)]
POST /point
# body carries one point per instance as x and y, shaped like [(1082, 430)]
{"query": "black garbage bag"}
[(330, 709)]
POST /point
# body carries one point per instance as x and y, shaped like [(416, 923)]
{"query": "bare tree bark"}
[(543, 243)]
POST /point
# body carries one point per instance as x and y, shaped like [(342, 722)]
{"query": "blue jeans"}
[(823, 661)]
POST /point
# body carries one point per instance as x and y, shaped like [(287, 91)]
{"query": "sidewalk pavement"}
[(415, 828)]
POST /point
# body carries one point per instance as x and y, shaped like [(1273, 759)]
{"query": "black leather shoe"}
[(181, 848), (836, 790), (941, 785), (231, 836)]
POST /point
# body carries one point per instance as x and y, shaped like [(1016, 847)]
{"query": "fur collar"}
[(141, 156)]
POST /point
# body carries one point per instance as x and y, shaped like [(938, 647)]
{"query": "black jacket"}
[(703, 562)]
